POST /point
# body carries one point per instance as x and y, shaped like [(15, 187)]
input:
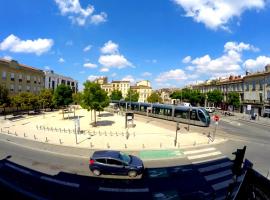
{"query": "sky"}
[(171, 43)]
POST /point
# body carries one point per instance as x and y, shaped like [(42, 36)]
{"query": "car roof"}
[(111, 154)]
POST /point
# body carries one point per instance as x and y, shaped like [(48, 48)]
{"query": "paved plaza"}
[(110, 132)]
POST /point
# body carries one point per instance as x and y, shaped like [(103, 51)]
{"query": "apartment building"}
[(122, 86), (52, 80), (144, 91), (17, 77)]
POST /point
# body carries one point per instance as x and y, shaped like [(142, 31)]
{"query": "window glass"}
[(114, 162), (193, 115), (101, 160), (201, 115)]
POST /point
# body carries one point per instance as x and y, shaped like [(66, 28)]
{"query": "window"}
[(101, 160), (20, 77), (19, 88), (39, 80), (253, 85), (28, 88), (193, 115), (268, 81), (261, 82), (4, 75), (12, 77), (11, 87), (247, 86), (201, 116), (114, 162), (35, 79), (268, 95), (28, 78)]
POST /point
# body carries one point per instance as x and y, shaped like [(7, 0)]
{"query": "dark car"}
[(115, 162)]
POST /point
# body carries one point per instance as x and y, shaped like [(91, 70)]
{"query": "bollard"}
[(46, 140), (35, 137), (108, 146), (143, 146), (99, 132), (194, 144), (1, 130), (160, 145), (8, 132), (15, 133), (133, 134), (64, 130), (24, 135), (37, 127), (60, 141), (69, 131), (60, 130), (91, 145), (125, 146)]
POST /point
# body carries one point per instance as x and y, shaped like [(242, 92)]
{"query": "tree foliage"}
[(26, 100), (192, 96), (116, 95), (46, 98), (62, 95), (215, 97), (234, 99), (94, 98), (4, 98), (77, 98), (154, 98), (132, 96)]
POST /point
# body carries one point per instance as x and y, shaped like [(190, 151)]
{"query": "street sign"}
[(216, 118), (248, 107)]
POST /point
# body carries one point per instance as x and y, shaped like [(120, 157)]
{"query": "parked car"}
[(115, 162), (210, 109)]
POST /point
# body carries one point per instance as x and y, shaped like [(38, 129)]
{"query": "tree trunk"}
[(5, 112), (95, 118), (91, 116), (63, 113)]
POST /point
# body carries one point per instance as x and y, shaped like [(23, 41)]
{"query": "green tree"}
[(132, 96), (4, 98), (62, 96), (94, 98), (234, 99), (176, 94), (215, 97), (27, 100), (154, 98), (77, 98), (116, 95), (46, 98)]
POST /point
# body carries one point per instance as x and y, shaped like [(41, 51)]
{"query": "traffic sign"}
[(216, 118)]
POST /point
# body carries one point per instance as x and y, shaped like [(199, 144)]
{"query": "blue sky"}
[(169, 42)]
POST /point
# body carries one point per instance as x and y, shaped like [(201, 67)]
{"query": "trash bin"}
[(253, 117)]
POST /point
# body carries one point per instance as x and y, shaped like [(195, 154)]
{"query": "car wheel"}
[(132, 173), (96, 172)]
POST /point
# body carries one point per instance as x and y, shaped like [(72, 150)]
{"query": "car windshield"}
[(124, 157)]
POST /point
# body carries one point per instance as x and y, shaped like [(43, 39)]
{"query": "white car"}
[(210, 109)]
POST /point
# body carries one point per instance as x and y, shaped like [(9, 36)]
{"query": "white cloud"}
[(116, 60), (239, 47), (61, 60), (175, 75), (258, 64), (79, 15), (92, 77), (187, 59), (146, 74), (129, 78), (14, 44), (47, 67), (7, 57), (100, 18), (217, 14), (104, 69), (190, 68), (87, 48), (90, 65), (109, 48)]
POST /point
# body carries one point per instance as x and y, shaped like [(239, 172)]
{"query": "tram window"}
[(201, 116), (193, 115), (181, 114)]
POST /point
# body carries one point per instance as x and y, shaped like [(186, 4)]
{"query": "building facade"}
[(18, 77), (122, 86), (144, 92), (52, 80)]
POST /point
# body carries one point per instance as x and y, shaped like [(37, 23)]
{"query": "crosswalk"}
[(215, 168)]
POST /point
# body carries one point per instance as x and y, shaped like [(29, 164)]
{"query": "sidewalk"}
[(110, 134)]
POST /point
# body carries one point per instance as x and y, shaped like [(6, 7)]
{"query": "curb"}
[(251, 122)]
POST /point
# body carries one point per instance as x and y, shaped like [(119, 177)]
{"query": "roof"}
[(111, 153), (22, 65), (140, 87), (120, 81)]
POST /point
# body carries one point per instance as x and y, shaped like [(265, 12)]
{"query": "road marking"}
[(18, 169), (204, 155), (214, 167), (218, 175), (123, 189), (199, 151), (207, 160), (221, 185), (60, 182)]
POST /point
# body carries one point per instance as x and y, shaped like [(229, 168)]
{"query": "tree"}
[(176, 94), (132, 96), (215, 97), (62, 96), (116, 95), (234, 99), (77, 98), (192, 96), (4, 98), (46, 98), (94, 98), (154, 98), (27, 100)]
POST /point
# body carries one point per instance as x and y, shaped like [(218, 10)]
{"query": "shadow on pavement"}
[(105, 115), (104, 123)]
